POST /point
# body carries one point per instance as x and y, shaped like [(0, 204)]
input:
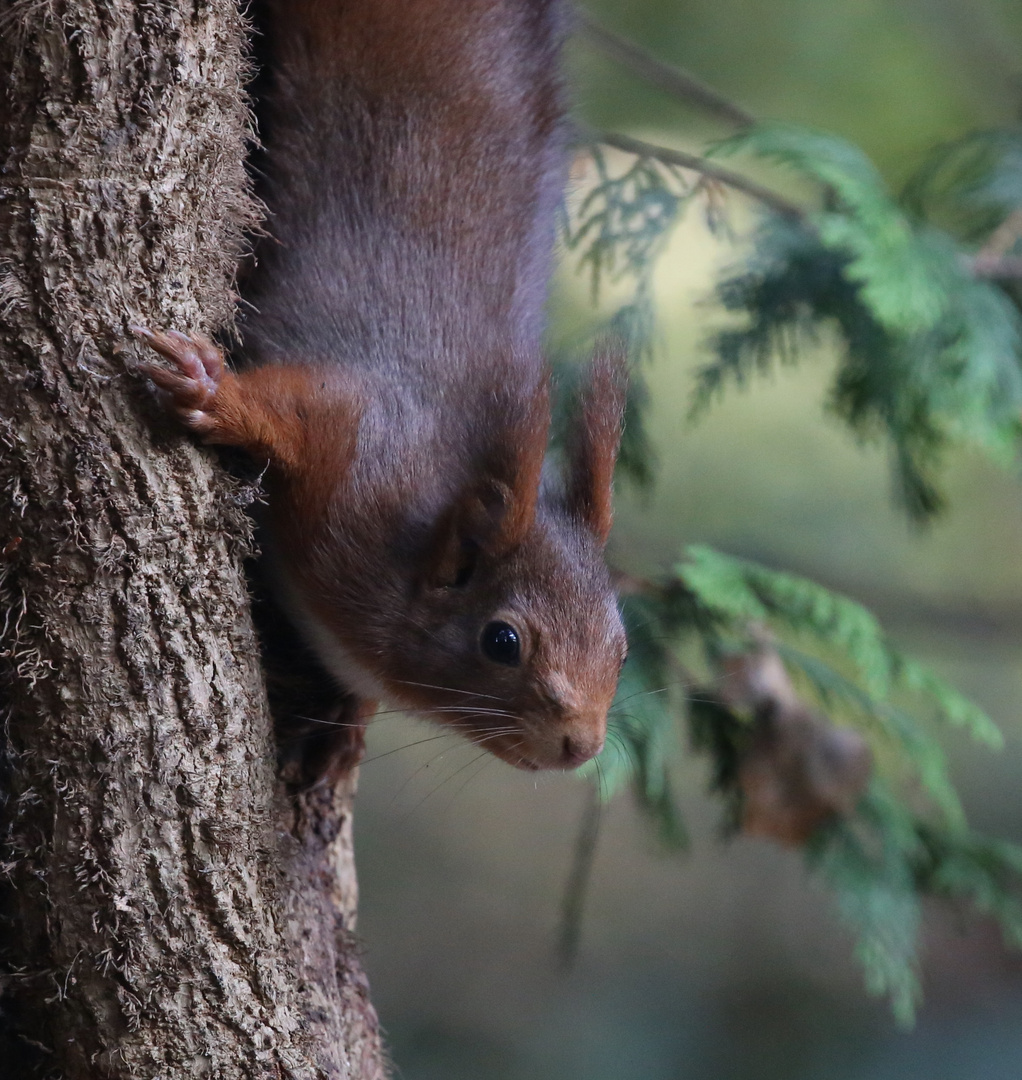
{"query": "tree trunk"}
[(167, 911)]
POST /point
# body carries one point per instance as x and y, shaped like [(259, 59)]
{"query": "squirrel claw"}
[(191, 384)]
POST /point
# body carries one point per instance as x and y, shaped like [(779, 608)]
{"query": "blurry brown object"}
[(799, 770)]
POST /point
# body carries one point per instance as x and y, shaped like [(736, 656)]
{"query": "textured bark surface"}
[(167, 912)]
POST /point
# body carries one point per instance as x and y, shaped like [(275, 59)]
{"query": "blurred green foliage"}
[(931, 352), (930, 361)]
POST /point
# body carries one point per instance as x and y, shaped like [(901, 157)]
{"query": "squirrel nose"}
[(576, 749)]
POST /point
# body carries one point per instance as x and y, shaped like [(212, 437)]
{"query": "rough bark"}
[(167, 911)]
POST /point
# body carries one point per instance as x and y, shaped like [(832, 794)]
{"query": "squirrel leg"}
[(325, 746), (282, 413), (320, 726)]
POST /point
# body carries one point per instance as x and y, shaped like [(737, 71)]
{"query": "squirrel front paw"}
[(191, 385)]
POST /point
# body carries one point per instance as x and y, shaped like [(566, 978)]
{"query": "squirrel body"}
[(392, 374)]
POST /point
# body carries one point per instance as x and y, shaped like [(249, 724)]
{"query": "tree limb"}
[(672, 80), (708, 169)]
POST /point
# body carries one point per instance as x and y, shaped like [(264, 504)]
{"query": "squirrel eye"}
[(500, 643)]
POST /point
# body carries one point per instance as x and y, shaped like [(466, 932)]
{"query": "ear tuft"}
[(594, 439)]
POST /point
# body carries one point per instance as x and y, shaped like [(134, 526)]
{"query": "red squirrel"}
[(392, 375)]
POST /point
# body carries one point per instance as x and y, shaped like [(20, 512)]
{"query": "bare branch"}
[(708, 169), (985, 265), (673, 80), (577, 889), (990, 264)]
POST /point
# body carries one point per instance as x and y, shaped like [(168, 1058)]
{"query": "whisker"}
[(642, 693), (616, 738), (446, 780), (448, 689), (487, 736), (461, 716), (466, 733), (599, 779), (408, 746), (425, 765), (484, 734), (453, 711), (385, 715), (476, 710), (487, 760)]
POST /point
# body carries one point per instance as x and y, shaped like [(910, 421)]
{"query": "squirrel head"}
[(505, 624), (517, 628), (520, 649)]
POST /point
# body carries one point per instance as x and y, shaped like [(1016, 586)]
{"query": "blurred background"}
[(725, 963)]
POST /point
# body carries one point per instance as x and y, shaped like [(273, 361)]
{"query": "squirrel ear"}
[(594, 439), (509, 488), (495, 511)]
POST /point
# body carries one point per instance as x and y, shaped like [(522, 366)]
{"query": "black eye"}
[(500, 643)]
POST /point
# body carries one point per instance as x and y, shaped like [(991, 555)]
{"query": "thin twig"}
[(990, 264), (581, 872), (673, 80), (698, 164)]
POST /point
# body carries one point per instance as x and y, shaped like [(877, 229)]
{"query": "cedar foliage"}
[(929, 359)]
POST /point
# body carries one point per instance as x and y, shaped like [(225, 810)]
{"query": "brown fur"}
[(593, 446), (395, 380)]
